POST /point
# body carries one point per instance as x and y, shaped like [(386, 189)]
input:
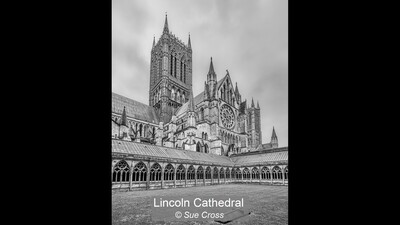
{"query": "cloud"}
[(249, 38)]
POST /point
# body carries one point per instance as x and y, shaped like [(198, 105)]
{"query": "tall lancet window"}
[(170, 67), (184, 73), (181, 72), (175, 67)]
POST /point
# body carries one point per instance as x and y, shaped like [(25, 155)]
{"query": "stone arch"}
[(227, 173), (121, 172), (206, 150), (265, 173), (215, 173), (139, 172), (238, 174), (191, 172), (255, 174), (169, 172), (246, 174), (180, 172), (200, 172), (222, 173), (155, 172), (198, 147), (208, 172), (276, 173), (287, 173)]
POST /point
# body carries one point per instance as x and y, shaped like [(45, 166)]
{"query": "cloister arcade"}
[(138, 175)]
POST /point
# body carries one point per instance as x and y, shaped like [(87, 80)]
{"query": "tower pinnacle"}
[(166, 30), (189, 44)]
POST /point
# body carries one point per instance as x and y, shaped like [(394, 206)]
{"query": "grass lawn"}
[(268, 204)]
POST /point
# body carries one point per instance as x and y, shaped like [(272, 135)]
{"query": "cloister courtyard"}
[(268, 204)]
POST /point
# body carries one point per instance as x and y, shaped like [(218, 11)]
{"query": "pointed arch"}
[(169, 172), (139, 172), (198, 147), (180, 173), (276, 173), (200, 172), (255, 174), (121, 172), (191, 172), (208, 172), (155, 172), (206, 148)]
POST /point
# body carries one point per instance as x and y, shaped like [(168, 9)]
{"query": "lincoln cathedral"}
[(182, 139)]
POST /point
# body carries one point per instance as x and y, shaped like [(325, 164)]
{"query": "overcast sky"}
[(249, 38)]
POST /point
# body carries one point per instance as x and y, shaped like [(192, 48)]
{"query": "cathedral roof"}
[(260, 157), (133, 109), (135, 148)]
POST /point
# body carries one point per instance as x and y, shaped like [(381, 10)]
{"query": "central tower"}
[(170, 74)]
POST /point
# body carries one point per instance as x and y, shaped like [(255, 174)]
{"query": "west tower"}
[(170, 74)]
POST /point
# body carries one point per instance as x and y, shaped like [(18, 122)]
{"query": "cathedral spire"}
[(189, 44), (123, 118), (274, 138), (166, 30), (252, 102), (258, 106), (211, 70)]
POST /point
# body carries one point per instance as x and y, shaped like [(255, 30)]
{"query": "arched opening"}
[(227, 173), (200, 172), (206, 148), (198, 147), (238, 174), (255, 174), (286, 173), (221, 173), (246, 174), (155, 172), (169, 172), (139, 172), (276, 173), (208, 172), (265, 173), (215, 173), (180, 172), (121, 172), (190, 173)]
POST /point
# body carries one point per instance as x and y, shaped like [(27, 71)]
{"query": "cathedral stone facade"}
[(215, 122)]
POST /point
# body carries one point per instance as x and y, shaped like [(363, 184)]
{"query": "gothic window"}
[(254, 173), (221, 173), (246, 174), (140, 129), (233, 173), (238, 174), (155, 172), (170, 67), (215, 174), (227, 173), (276, 173), (121, 172), (227, 116), (184, 73), (208, 172), (200, 171), (201, 116), (139, 172), (190, 173), (265, 174), (198, 147), (169, 172), (206, 148), (286, 173), (175, 67), (181, 74), (180, 173)]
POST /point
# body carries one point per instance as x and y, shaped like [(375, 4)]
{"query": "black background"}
[(59, 100)]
